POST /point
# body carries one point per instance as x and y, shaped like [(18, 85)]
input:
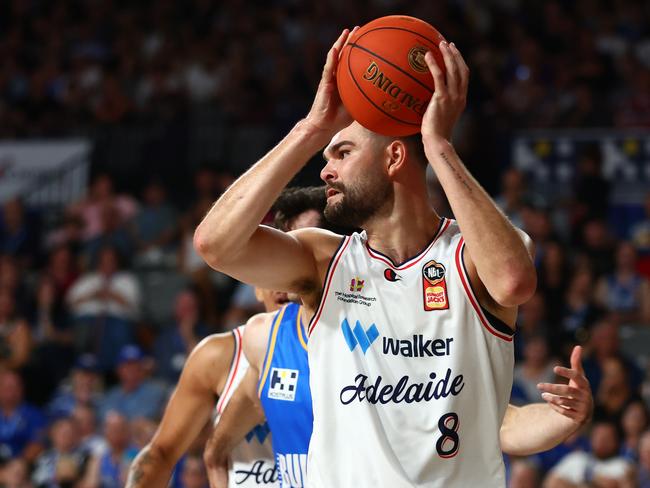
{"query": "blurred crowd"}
[(69, 64), (100, 307)]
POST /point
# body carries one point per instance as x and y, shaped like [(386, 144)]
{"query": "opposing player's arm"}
[(497, 256), (229, 237), (244, 411), (189, 409), (541, 426)]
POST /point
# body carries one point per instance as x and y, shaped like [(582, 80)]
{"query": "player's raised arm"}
[(541, 426), (244, 411), (187, 412), (229, 237), (498, 257)]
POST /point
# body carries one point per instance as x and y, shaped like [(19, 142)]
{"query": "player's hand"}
[(574, 400), (216, 466), (450, 95), (327, 113)]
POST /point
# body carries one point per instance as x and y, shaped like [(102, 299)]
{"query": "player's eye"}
[(344, 153)]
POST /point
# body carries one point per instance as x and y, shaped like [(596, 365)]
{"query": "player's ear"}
[(396, 155)]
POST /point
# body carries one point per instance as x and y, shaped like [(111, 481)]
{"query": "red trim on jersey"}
[(328, 281), (470, 294), (384, 259), (233, 368)]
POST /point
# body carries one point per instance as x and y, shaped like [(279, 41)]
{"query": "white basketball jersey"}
[(252, 462), (410, 377)]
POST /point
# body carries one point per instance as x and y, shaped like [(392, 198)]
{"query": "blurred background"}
[(121, 122)]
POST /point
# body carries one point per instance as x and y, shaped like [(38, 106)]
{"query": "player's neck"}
[(407, 230)]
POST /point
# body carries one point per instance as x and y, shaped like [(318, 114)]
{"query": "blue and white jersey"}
[(285, 395)]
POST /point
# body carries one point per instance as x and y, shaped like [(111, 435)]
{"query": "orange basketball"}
[(382, 77)]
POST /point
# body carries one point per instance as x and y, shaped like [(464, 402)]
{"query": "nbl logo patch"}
[(284, 383), (434, 287)]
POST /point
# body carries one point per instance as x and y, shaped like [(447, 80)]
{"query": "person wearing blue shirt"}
[(22, 426), (83, 389), (134, 396)]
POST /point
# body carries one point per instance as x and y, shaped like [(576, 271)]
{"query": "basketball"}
[(382, 77)]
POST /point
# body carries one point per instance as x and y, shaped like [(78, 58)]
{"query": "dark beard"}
[(358, 204)]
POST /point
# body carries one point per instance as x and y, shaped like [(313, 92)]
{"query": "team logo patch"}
[(356, 284), (284, 383), (359, 336), (434, 286), (390, 275)]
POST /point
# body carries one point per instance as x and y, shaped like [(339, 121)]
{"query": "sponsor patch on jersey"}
[(390, 275), (356, 284), (284, 383), (434, 286)]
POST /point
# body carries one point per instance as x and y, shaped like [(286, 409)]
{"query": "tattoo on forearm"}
[(456, 172), (137, 472)]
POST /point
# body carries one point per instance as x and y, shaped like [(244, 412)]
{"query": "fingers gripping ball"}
[(382, 77)]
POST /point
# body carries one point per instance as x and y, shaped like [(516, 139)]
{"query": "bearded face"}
[(358, 201)]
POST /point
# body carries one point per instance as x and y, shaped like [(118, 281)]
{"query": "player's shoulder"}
[(256, 334), (323, 243), (213, 353)]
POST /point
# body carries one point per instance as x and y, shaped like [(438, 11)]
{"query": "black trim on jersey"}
[(495, 321), (322, 288), (435, 236)]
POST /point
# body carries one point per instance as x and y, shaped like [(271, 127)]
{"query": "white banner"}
[(44, 172)]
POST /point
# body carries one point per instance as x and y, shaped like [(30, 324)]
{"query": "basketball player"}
[(213, 370), (411, 326)]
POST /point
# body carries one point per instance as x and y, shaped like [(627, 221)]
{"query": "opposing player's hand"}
[(450, 95), (216, 466), (574, 400), (327, 113)]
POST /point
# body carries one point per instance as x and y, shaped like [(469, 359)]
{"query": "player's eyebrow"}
[(332, 149)]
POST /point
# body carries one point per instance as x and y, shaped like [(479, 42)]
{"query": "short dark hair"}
[(415, 145), (295, 200)]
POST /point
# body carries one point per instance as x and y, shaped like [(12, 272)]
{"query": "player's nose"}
[(328, 173)]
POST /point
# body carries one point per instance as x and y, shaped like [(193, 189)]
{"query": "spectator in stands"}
[(101, 196), (19, 233), (142, 431), (109, 469), (21, 425), (553, 277), (193, 266), (176, 342), (194, 474), (15, 336), (614, 392), (625, 293), (511, 199), (536, 367), (531, 322), (135, 395), (600, 467), (640, 237), (579, 311), (597, 247), (591, 189), (53, 339), (11, 279), (105, 304), (15, 474), (84, 388), (155, 226), (65, 462), (70, 234), (91, 440), (604, 344), (524, 473), (643, 476), (634, 422), (114, 234)]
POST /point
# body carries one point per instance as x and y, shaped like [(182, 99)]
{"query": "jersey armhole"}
[(326, 283), (493, 324), (232, 371), (270, 348)]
